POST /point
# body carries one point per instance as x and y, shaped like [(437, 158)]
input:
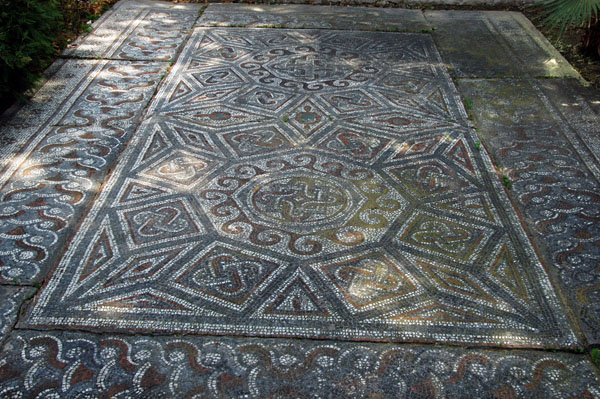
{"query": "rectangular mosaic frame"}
[(433, 320)]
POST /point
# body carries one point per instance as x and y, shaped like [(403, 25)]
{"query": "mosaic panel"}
[(51, 365), (46, 184), (495, 44), (130, 31), (549, 145), (346, 223)]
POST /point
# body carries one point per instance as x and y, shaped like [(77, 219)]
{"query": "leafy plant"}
[(28, 29), (468, 103), (595, 352), (76, 13), (32, 32), (581, 13), (569, 12), (506, 182)]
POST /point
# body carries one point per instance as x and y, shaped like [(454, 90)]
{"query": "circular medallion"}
[(300, 200), (299, 204), (309, 65)]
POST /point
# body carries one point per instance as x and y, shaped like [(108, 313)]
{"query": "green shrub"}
[(77, 12), (28, 31), (595, 352)]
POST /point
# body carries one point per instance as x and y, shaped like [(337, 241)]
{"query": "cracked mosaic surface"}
[(308, 184), (542, 132), (10, 303), (37, 365)]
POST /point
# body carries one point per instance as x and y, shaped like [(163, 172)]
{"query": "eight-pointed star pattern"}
[(307, 184)]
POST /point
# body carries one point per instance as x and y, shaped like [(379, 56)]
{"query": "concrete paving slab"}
[(11, 299), (136, 30), (305, 170), (495, 44), (320, 17), (536, 133), (71, 365), (56, 172)]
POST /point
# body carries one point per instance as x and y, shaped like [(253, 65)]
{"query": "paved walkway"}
[(302, 201)]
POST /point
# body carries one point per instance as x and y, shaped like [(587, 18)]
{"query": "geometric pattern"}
[(555, 182), (306, 183)]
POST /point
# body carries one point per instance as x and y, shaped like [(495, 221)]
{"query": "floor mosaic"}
[(53, 365), (555, 182), (46, 186), (300, 183), (135, 30), (308, 184)]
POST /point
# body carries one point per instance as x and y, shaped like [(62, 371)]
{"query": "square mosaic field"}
[(302, 183)]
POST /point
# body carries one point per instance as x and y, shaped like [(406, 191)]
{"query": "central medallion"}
[(301, 204), (310, 64), (299, 201)]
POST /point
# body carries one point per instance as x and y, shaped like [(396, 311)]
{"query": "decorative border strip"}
[(37, 365)]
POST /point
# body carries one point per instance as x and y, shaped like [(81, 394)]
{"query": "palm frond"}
[(565, 13)]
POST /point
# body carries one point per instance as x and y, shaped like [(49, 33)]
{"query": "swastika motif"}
[(306, 184), (299, 199)]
